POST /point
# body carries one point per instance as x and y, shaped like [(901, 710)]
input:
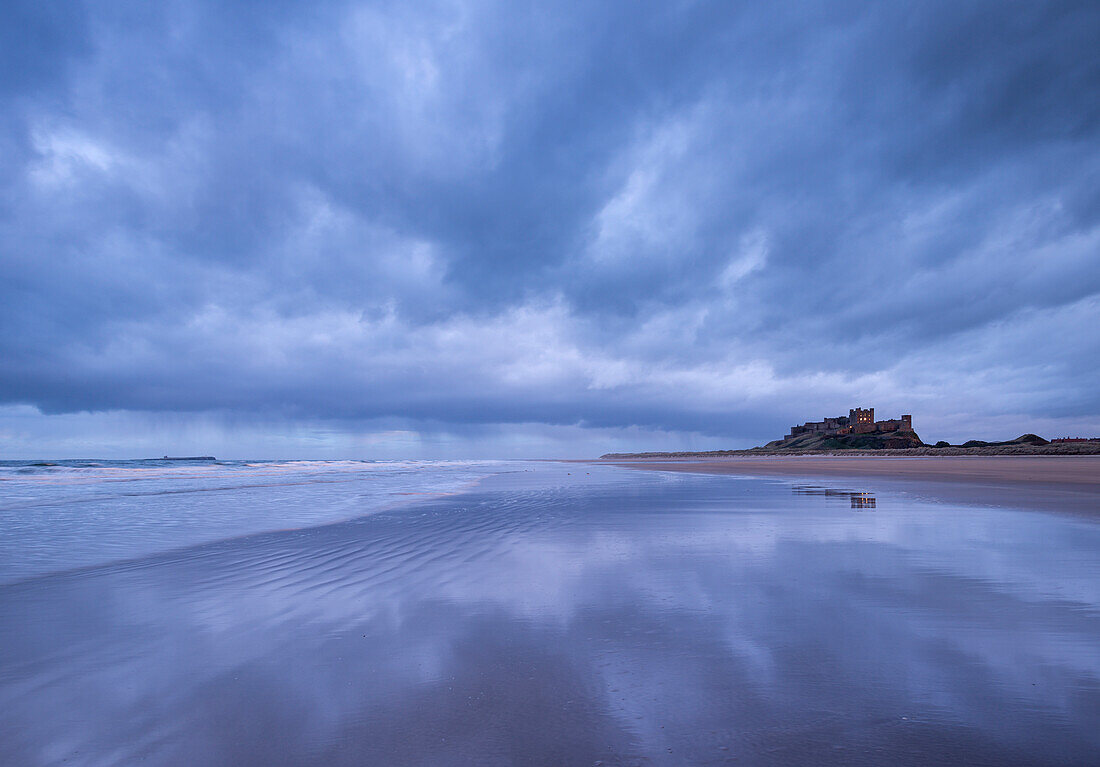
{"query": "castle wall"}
[(858, 421), (893, 425)]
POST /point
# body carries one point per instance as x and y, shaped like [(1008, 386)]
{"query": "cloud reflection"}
[(684, 619)]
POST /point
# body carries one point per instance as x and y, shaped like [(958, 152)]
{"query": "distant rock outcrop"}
[(1023, 439), (891, 440)]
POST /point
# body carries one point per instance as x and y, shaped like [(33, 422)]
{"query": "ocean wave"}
[(63, 514)]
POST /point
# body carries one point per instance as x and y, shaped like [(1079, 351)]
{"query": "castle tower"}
[(862, 420)]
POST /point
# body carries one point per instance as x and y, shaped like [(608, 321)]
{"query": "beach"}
[(522, 613), (1054, 483)]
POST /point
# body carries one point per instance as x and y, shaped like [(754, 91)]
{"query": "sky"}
[(509, 229)]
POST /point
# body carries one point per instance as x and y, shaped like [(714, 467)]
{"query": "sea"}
[(59, 515), (534, 613)]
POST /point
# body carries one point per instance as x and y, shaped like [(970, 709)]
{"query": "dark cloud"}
[(699, 217)]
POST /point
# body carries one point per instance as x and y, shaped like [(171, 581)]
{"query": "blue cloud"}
[(699, 218)]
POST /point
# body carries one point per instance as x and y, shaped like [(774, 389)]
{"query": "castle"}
[(858, 421)]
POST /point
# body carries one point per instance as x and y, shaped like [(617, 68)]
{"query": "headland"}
[(858, 433), (1060, 474)]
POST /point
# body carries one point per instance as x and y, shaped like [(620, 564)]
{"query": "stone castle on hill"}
[(858, 421)]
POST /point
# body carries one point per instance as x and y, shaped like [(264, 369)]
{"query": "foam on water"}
[(59, 515)]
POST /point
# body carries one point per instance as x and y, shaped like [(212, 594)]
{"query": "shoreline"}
[(927, 451), (1069, 484), (523, 616)]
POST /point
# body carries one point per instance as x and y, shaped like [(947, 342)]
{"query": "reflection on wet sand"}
[(655, 620), (859, 500)]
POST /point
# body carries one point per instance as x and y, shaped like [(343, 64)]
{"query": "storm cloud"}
[(654, 225)]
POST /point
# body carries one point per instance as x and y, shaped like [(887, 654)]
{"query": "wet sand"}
[(1051, 483), (556, 616)]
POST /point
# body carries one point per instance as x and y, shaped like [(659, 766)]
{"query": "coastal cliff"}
[(893, 440), (876, 444)]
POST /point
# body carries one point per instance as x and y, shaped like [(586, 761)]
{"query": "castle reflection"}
[(859, 499)]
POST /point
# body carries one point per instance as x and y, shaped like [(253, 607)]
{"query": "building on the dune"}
[(858, 421)]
